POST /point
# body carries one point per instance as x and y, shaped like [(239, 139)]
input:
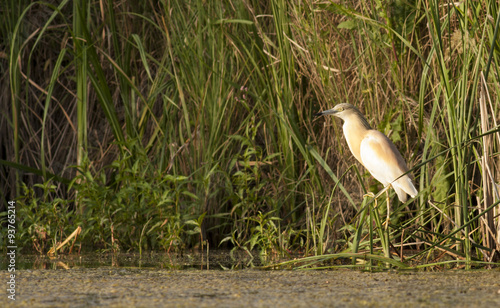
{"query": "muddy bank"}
[(125, 287)]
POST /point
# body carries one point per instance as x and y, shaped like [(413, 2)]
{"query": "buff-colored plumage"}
[(374, 151)]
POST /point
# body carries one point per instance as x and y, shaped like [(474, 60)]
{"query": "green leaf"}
[(348, 24)]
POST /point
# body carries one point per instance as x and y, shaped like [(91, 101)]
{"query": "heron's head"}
[(346, 112)]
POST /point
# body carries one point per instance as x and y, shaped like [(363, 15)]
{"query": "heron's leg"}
[(388, 209)]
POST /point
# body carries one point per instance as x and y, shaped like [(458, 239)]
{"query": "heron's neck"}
[(355, 130)]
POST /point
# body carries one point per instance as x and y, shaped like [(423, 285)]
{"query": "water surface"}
[(184, 281)]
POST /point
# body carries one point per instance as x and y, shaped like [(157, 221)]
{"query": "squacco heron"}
[(374, 151)]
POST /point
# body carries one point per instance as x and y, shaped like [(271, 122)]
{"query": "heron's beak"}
[(326, 112)]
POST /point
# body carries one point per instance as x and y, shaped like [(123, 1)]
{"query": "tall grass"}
[(182, 122)]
